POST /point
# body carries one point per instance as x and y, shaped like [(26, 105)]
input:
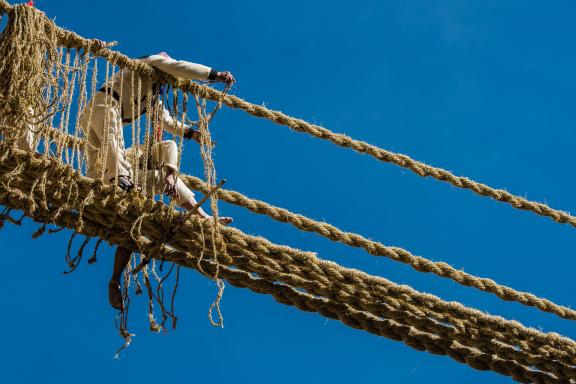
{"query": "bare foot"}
[(224, 220), (115, 295)]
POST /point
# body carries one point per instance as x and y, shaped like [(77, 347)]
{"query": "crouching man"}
[(104, 118)]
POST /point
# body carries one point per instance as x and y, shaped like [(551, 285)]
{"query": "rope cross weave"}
[(47, 70)]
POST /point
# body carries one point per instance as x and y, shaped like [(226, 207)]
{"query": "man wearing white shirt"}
[(103, 119)]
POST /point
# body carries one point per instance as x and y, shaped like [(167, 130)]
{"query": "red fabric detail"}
[(30, 3), (159, 133)]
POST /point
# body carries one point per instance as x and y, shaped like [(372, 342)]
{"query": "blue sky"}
[(482, 88)]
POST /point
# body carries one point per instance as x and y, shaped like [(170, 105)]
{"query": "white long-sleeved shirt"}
[(126, 83)]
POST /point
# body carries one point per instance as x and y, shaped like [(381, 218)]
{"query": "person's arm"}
[(188, 70), (176, 128), (170, 124), (180, 68)]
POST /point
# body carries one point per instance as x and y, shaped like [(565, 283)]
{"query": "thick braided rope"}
[(398, 254), (357, 319), (313, 273), (356, 283), (280, 214), (333, 281), (73, 40), (372, 247), (391, 329), (263, 267), (333, 286), (112, 210), (414, 338), (368, 292), (387, 328), (366, 303)]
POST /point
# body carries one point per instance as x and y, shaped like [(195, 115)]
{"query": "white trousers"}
[(165, 155), (26, 140), (104, 130)]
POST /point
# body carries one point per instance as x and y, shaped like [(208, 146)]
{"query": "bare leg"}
[(172, 190), (189, 205), (121, 259)]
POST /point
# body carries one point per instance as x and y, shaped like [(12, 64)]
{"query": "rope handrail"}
[(73, 40), (409, 334)]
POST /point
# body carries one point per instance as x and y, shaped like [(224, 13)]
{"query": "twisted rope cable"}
[(464, 313), (365, 291), (357, 319), (103, 216), (388, 328), (331, 232), (73, 40), (401, 160), (347, 284), (377, 249), (391, 329), (331, 280)]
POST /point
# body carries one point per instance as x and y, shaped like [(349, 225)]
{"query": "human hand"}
[(125, 183), (170, 186), (193, 134), (225, 77)]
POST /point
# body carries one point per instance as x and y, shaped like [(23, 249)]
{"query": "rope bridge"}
[(48, 75)]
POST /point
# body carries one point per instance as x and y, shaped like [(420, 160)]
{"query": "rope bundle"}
[(360, 300), (49, 189)]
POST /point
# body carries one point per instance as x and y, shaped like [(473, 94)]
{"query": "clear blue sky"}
[(483, 88)]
